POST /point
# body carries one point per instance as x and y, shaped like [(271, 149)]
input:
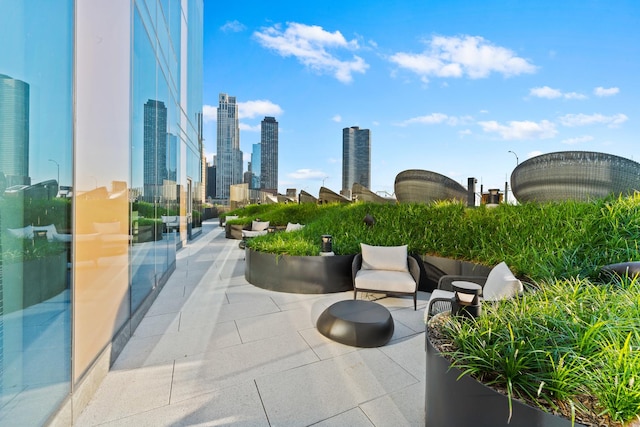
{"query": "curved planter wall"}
[(453, 402), (299, 274)]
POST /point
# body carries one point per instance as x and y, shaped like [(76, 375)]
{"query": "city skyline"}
[(454, 87)]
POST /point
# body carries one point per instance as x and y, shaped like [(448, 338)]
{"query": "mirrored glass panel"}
[(36, 57)]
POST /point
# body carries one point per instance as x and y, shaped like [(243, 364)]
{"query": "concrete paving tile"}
[(155, 350), (317, 391), (219, 313), (352, 418), (237, 405), (229, 366), (270, 325), (128, 392), (157, 325), (323, 346), (401, 408), (413, 319), (410, 354)]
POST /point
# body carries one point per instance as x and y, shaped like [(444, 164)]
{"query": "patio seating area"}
[(216, 350)]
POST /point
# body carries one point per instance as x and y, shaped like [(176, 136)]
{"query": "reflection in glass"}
[(35, 217)]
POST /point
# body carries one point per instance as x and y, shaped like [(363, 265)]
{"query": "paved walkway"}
[(214, 350)]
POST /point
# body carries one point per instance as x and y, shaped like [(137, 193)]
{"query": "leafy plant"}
[(574, 338)]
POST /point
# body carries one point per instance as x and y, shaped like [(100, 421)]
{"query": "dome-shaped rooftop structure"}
[(421, 186), (574, 175)]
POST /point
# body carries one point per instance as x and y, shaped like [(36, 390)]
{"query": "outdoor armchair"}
[(385, 269), (499, 284)]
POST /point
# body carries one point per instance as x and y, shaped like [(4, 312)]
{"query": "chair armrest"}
[(414, 270), (356, 265), (444, 282)]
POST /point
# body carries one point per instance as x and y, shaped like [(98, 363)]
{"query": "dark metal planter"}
[(299, 274), (453, 402)]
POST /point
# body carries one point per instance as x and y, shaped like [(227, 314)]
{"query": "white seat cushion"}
[(251, 233), (392, 258), (385, 281)]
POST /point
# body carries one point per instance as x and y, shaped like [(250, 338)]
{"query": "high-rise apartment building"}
[(103, 97), (356, 158), (269, 155), (255, 166), (228, 154), (155, 149), (14, 131)]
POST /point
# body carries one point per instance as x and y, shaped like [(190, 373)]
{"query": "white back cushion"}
[(501, 283), (293, 227), (259, 225), (384, 257)]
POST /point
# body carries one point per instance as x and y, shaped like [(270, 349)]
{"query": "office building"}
[(14, 131), (155, 149), (103, 97), (356, 158), (211, 181), (269, 155), (228, 154), (255, 166)]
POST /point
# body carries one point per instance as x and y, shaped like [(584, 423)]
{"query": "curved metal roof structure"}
[(362, 194), (421, 186), (574, 175), (328, 196), (305, 197)]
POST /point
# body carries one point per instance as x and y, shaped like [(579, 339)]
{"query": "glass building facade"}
[(356, 158), (269, 155), (100, 147)]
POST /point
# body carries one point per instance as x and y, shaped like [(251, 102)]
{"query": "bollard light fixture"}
[(327, 243)]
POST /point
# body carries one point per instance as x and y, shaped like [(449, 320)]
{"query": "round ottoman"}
[(358, 323)]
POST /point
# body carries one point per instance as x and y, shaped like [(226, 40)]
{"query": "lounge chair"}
[(499, 284)]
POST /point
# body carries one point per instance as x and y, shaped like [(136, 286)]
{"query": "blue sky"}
[(462, 88)]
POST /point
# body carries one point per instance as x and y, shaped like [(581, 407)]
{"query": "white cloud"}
[(249, 128), (246, 110), (577, 140), (308, 174), (464, 133), (551, 93), (251, 109), (574, 95), (545, 92), (309, 44), (533, 154), (601, 91), (337, 118), (573, 120), (233, 27), (470, 56), (437, 118), (521, 129), (209, 113)]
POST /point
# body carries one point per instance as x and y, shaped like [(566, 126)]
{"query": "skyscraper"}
[(228, 154), (269, 155), (155, 149), (14, 131), (255, 166), (356, 158)]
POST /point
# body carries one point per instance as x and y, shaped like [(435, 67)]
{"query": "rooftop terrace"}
[(215, 350)]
